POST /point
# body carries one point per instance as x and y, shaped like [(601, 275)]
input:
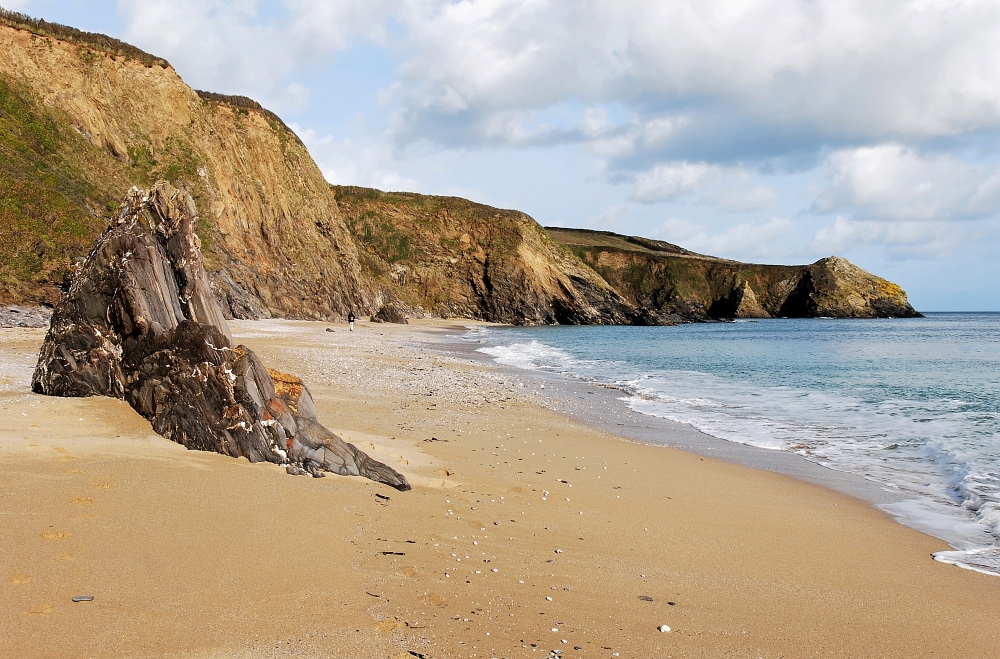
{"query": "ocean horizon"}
[(910, 405)]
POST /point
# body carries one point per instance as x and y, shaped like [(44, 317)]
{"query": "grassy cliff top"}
[(609, 240), (93, 40)]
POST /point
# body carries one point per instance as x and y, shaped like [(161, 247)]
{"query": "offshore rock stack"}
[(139, 322)]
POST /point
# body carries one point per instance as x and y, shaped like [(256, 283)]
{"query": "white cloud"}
[(248, 47), (745, 241), (698, 80), (351, 162), (668, 181), (893, 182), (808, 69), (741, 199), (935, 239), (610, 218), (728, 189)]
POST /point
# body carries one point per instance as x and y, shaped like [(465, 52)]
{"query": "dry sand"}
[(525, 533)]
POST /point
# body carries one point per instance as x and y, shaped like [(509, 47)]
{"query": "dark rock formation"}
[(139, 322), (392, 312), (671, 283)]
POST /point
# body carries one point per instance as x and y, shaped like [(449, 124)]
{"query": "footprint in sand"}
[(42, 608), (21, 578), (82, 501), (433, 600), (69, 471), (409, 571), (64, 455), (55, 535), (386, 625), (104, 486)]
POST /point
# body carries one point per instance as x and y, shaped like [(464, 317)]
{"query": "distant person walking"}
[(350, 319)]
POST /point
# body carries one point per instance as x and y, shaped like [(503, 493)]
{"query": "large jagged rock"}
[(139, 322)]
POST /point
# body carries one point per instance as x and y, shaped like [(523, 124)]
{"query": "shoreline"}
[(521, 521), (565, 395), (606, 407)]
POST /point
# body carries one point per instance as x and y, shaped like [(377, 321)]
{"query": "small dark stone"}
[(645, 598)]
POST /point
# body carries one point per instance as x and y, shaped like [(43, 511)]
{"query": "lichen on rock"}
[(138, 321)]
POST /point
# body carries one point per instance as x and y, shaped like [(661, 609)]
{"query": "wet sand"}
[(525, 532)]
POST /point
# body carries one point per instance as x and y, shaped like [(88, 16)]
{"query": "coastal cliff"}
[(83, 120), (456, 258), (84, 117), (671, 281)]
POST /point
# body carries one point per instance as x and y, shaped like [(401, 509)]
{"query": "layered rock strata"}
[(139, 322)]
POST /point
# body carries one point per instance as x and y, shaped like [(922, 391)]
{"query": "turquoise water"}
[(913, 404)]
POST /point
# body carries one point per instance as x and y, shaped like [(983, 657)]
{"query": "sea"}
[(911, 405)]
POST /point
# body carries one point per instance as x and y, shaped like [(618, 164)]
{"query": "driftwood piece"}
[(138, 322)]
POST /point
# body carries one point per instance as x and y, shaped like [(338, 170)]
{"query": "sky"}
[(769, 131)]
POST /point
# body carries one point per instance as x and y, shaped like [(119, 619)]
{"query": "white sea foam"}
[(532, 355), (936, 439)]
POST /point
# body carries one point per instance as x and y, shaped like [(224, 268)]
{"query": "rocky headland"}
[(84, 117), (679, 284)]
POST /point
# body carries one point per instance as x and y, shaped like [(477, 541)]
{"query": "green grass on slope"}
[(48, 208), (58, 190)]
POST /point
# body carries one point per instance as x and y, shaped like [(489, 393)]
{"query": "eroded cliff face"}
[(675, 283), (82, 125), (452, 257)]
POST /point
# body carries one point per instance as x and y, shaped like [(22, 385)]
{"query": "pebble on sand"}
[(664, 628)]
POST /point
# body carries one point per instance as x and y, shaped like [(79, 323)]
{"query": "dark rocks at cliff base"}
[(139, 322), (391, 312)]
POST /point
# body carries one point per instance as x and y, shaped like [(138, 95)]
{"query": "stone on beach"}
[(139, 322)]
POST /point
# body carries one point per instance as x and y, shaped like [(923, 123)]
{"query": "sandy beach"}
[(525, 532)]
